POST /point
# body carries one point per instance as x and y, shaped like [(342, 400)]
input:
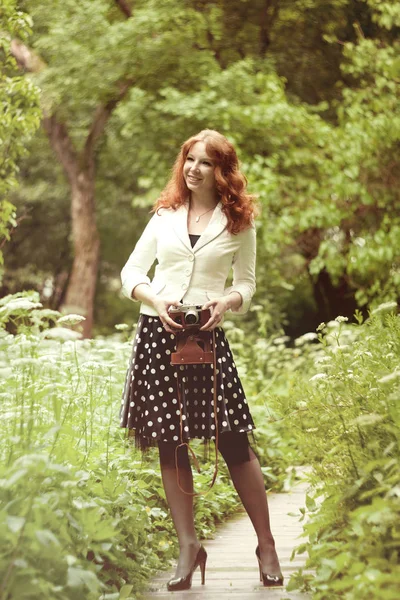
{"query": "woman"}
[(203, 225)]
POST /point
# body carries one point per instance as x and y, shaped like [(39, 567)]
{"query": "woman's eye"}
[(206, 163), (189, 158)]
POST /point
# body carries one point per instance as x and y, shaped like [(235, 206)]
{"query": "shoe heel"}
[(260, 569), (203, 572)]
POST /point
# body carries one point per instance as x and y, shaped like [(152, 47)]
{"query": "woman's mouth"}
[(193, 179)]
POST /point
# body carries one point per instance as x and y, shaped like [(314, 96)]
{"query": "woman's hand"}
[(218, 307), (161, 305)]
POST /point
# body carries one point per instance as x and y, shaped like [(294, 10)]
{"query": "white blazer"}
[(192, 275)]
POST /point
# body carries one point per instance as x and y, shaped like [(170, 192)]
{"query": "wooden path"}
[(232, 568)]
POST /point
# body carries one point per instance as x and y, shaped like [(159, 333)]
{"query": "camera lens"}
[(191, 316)]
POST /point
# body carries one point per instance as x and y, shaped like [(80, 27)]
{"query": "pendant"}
[(197, 219)]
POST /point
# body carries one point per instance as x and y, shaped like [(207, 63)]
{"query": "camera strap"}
[(187, 342)]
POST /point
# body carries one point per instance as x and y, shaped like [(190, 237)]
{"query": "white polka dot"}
[(168, 416), (172, 426), (236, 422), (132, 404), (154, 434), (224, 423), (159, 419), (175, 438), (150, 423)]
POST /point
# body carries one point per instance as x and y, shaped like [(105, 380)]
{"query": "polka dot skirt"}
[(150, 403)]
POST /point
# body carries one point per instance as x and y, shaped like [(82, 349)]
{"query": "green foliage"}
[(20, 115), (349, 432), (82, 513)]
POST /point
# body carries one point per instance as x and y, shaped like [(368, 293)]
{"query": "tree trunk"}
[(82, 283)]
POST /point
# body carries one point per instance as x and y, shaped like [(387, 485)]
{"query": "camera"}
[(189, 315)]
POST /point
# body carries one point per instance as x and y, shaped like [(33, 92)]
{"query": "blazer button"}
[(184, 286), (188, 272), (191, 257)]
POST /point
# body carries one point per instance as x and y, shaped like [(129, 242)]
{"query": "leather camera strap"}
[(181, 425)]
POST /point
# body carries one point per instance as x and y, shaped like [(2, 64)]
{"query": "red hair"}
[(239, 206)]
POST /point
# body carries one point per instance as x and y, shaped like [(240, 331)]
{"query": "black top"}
[(193, 238)]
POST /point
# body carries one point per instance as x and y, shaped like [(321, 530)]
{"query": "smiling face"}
[(198, 170)]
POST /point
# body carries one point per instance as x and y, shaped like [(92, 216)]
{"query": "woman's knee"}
[(235, 448), (169, 454)]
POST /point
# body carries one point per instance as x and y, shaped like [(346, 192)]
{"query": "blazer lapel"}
[(179, 225), (216, 225)]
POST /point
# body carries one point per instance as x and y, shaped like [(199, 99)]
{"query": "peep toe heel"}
[(185, 583), (268, 580)]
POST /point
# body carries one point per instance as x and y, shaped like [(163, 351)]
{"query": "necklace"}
[(204, 213)]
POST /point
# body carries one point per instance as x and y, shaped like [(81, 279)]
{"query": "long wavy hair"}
[(239, 206)]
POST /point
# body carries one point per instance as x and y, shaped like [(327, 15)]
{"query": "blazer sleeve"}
[(141, 259), (244, 269)]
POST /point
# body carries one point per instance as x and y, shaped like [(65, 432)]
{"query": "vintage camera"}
[(190, 315)]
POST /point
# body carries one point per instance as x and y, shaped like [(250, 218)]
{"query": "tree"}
[(19, 101), (83, 79)]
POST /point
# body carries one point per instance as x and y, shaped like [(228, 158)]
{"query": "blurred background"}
[(98, 96)]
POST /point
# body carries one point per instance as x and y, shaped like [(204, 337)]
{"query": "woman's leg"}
[(248, 480), (180, 504)]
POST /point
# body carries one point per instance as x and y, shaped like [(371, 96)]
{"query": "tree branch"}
[(62, 145), (268, 15), (102, 114), (56, 131), (125, 8), (25, 57)]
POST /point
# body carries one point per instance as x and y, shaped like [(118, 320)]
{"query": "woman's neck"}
[(202, 202)]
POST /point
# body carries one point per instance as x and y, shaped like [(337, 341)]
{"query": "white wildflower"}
[(391, 377), (20, 304), (341, 319), (71, 319), (121, 326), (307, 337), (321, 326), (318, 376), (63, 334), (281, 340), (322, 359), (385, 306)]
